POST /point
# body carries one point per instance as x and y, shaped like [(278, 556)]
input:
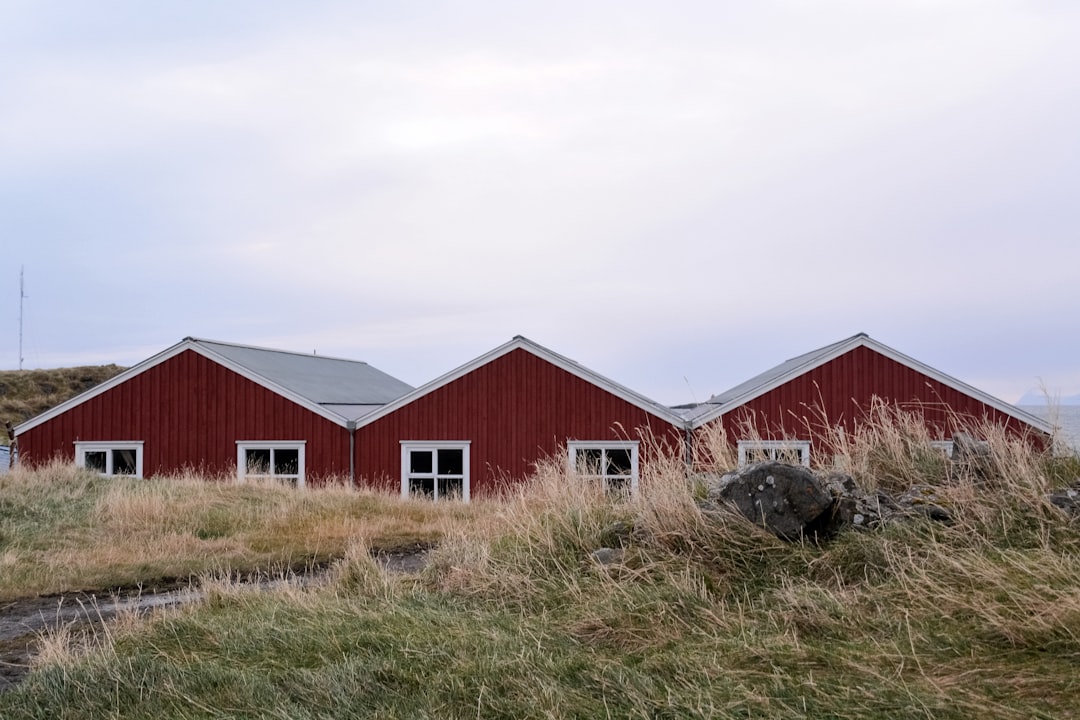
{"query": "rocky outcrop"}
[(793, 503), (1067, 500), (787, 500)]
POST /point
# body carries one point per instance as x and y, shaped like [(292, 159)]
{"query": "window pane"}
[(420, 461), (618, 486), (588, 461), (95, 461), (257, 462), (123, 462), (451, 488), (618, 462), (756, 455), (452, 462), (422, 487), (286, 462), (791, 456)]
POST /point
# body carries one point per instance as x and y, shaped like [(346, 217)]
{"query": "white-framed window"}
[(792, 452), (111, 458), (283, 461), (438, 470), (614, 463), (947, 446)]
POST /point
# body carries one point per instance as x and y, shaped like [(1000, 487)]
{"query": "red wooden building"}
[(490, 420), (794, 408), (215, 408)]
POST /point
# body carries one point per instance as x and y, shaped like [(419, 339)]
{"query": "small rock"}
[(608, 556)]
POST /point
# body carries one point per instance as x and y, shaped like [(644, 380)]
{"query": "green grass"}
[(703, 618)]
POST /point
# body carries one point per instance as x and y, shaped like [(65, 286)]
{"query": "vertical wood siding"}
[(189, 412), (842, 391), (515, 410)]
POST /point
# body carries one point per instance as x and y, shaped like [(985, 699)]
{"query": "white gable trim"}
[(564, 363), (194, 345), (863, 340), (105, 386)]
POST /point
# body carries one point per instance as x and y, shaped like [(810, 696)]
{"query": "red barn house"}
[(490, 420), (790, 410), (215, 408)]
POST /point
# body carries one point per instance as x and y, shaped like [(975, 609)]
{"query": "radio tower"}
[(22, 296)]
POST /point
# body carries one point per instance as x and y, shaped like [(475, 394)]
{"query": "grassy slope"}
[(64, 530), (705, 617), (26, 393)]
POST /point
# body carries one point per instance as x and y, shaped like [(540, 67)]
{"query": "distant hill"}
[(26, 393), (1036, 397)]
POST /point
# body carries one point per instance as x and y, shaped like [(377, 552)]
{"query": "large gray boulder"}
[(785, 499)]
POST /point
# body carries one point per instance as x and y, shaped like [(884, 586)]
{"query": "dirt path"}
[(22, 622)]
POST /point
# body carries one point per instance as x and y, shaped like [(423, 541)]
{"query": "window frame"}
[(634, 446), (433, 446), (82, 447), (242, 447), (772, 446), (947, 446)]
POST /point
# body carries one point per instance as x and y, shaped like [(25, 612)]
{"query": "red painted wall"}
[(189, 412), (840, 392), (515, 410)]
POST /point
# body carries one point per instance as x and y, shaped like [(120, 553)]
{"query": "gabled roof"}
[(347, 387), (339, 390), (522, 343), (788, 370)]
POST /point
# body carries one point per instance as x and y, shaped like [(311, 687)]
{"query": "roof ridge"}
[(245, 346)]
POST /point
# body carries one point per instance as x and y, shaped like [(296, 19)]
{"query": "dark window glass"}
[(286, 462), (589, 461), (123, 462), (451, 488), (618, 462), (757, 455), (420, 461), (791, 456), (258, 462), (95, 461), (451, 462), (422, 487)]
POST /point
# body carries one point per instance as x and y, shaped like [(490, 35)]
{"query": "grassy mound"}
[(26, 393)]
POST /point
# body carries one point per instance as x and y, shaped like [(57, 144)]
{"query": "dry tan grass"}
[(71, 530)]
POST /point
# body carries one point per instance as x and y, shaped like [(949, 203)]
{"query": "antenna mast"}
[(22, 295)]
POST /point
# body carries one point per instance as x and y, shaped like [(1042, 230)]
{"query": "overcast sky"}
[(678, 195)]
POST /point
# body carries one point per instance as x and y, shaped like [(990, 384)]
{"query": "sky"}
[(677, 195)]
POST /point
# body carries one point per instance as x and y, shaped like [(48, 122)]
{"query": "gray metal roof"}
[(346, 387), (779, 371)]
